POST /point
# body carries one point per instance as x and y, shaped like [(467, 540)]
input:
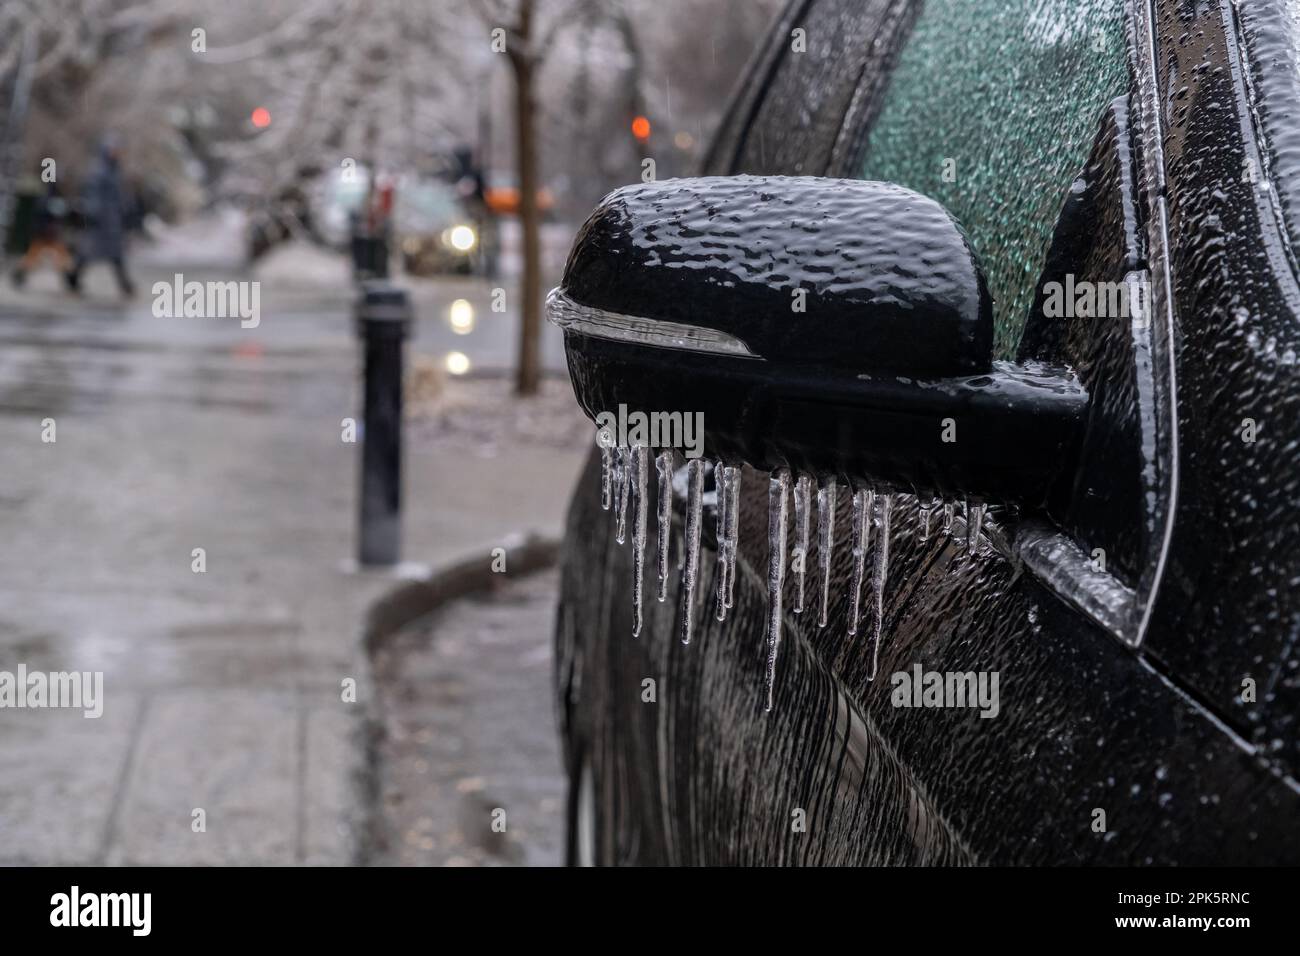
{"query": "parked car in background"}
[(432, 230), (435, 232), (1010, 289)]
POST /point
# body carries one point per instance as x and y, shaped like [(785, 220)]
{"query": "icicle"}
[(861, 539), (825, 543), (622, 468), (880, 574), (640, 467), (949, 509), (802, 519), (691, 571), (606, 476), (927, 514), (720, 491), (664, 466), (733, 530), (721, 486), (778, 490), (974, 523)]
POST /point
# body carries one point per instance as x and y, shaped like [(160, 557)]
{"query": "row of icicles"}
[(624, 481)]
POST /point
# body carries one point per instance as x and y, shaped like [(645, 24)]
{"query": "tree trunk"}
[(528, 373)]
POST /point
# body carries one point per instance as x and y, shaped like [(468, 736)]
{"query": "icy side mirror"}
[(832, 327)]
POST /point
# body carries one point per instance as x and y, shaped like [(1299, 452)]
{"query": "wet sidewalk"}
[(189, 534), (469, 765)]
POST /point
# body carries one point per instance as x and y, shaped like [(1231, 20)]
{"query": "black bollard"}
[(369, 255), (383, 317)]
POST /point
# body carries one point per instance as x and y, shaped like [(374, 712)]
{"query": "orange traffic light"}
[(261, 117), (641, 128)]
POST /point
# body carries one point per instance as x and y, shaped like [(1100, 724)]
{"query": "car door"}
[(1042, 135)]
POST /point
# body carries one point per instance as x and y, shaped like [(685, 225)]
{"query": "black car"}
[(1010, 288)]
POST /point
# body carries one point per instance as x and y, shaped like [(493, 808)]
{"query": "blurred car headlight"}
[(457, 363), (460, 238), (461, 317)]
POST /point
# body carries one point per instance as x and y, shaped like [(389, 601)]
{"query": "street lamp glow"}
[(461, 317), (457, 363), (462, 238)]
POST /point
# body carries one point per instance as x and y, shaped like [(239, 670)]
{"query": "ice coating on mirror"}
[(778, 494)]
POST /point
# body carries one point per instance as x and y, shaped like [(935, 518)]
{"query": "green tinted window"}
[(992, 110)]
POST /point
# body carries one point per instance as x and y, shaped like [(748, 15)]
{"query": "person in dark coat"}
[(104, 207)]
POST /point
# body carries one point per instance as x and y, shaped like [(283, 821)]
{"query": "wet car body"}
[(1142, 620)]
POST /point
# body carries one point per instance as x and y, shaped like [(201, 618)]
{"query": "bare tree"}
[(529, 28), (375, 80), (83, 73)]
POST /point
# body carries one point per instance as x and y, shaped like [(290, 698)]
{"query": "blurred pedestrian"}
[(46, 241), (104, 208)]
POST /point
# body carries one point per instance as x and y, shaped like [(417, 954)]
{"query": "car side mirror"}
[(831, 327)]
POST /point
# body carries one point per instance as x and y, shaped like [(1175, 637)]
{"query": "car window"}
[(426, 204), (826, 60), (991, 110)]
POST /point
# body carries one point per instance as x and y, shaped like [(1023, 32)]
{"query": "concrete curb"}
[(401, 607)]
